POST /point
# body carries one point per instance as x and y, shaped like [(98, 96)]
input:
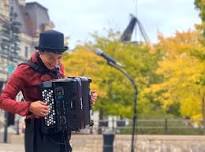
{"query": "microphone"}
[(108, 58)]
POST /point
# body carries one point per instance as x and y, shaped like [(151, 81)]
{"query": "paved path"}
[(11, 147)]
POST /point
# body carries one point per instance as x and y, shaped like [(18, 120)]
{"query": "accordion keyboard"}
[(48, 97)]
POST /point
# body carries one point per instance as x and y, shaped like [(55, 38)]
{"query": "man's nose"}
[(57, 61)]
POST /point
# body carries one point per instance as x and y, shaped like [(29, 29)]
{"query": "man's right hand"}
[(39, 108)]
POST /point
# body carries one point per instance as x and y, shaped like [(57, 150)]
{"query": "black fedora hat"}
[(51, 41)]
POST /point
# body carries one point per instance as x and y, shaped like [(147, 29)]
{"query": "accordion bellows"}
[(69, 104)]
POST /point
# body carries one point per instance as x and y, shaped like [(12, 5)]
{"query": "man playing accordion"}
[(27, 78)]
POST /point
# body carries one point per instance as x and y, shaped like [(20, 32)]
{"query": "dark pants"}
[(36, 141)]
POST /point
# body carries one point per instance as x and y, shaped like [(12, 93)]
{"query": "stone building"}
[(33, 19)]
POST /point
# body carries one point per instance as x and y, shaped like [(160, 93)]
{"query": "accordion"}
[(69, 104)]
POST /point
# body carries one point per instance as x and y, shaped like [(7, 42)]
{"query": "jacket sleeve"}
[(8, 95)]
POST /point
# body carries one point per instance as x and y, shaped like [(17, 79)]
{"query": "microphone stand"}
[(118, 67)]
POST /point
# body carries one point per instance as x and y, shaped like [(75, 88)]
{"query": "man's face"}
[(51, 60)]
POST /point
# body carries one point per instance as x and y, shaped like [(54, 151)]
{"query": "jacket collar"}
[(35, 58)]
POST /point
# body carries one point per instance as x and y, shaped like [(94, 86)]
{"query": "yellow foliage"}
[(82, 62), (181, 71)]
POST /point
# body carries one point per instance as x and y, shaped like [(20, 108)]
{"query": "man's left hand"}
[(93, 96)]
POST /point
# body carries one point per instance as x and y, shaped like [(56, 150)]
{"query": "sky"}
[(78, 19)]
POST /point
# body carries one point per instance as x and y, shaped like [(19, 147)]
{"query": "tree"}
[(115, 92), (183, 74), (200, 5)]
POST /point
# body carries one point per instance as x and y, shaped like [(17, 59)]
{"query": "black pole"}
[(6, 127), (134, 119), (165, 126), (17, 127)]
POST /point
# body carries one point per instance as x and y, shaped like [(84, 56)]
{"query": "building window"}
[(26, 52), (42, 27)]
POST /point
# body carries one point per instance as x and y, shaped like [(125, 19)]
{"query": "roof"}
[(32, 17), (36, 4)]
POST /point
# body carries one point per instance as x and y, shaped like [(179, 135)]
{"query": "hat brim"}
[(55, 50)]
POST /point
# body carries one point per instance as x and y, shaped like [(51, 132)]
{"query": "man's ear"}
[(41, 52)]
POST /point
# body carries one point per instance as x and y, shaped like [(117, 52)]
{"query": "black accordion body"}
[(69, 104)]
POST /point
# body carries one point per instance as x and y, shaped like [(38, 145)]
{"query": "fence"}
[(143, 126), (152, 126)]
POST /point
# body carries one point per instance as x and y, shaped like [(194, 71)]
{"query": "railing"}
[(151, 126), (143, 126)]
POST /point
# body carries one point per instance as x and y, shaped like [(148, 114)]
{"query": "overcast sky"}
[(79, 18)]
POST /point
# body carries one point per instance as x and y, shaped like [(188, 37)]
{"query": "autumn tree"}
[(115, 91), (200, 5), (183, 75)]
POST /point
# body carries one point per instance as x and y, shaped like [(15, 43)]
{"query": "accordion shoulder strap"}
[(35, 67), (54, 73)]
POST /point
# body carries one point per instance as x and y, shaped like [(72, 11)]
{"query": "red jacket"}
[(26, 80)]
